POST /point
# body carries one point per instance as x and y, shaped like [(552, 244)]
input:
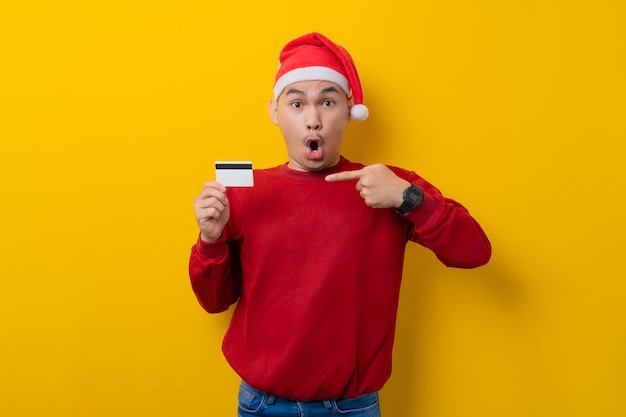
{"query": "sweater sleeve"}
[(215, 273), (446, 227)]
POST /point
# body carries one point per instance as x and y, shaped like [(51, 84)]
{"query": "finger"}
[(209, 193), (211, 202), (207, 214), (214, 185), (345, 176), (211, 213)]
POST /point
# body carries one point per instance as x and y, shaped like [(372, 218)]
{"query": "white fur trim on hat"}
[(311, 74), (359, 112)]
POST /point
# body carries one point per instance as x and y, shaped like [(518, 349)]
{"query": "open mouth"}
[(314, 144), (314, 148)]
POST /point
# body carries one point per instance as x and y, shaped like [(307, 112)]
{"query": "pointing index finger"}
[(345, 176)]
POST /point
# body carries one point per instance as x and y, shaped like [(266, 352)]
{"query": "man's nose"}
[(313, 120)]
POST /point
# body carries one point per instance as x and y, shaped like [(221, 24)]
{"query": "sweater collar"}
[(312, 176)]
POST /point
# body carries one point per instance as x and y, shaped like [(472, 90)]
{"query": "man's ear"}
[(273, 110), (350, 104)]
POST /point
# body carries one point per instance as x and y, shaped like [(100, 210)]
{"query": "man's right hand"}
[(212, 211)]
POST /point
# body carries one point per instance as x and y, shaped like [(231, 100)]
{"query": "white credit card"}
[(234, 173)]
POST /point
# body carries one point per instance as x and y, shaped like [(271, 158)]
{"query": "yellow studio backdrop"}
[(112, 113)]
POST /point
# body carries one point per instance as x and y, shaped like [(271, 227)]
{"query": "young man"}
[(313, 253)]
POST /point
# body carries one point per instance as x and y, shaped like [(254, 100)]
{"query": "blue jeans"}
[(253, 402)]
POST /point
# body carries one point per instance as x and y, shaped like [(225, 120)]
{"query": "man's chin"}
[(312, 165)]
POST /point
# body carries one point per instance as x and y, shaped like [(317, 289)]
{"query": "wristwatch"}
[(411, 198)]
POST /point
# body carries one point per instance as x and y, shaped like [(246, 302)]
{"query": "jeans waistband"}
[(271, 399)]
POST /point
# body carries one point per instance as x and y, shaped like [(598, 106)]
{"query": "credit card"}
[(234, 173)]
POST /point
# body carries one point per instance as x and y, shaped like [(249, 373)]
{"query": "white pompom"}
[(359, 112)]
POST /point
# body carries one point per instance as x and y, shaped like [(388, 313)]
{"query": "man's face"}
[(312, 116)]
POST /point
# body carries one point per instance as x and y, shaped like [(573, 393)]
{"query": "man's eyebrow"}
[(294, 91), (330, 89)]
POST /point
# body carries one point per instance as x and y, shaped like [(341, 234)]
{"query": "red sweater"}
[(317, 276)]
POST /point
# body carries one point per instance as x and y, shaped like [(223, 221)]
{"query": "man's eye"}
[(328, 103), (296, 104)]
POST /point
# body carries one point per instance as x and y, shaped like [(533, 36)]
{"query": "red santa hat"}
[(314, 57)]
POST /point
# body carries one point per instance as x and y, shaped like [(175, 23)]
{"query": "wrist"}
[(209, 239), (412, 197)]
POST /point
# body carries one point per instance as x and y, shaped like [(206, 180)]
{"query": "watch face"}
[(414, 197)]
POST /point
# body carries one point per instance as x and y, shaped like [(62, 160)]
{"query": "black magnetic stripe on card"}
[(233, 166)]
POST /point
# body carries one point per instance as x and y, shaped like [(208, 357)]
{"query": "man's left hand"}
[(379, 186)]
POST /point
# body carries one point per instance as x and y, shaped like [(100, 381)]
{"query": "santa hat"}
[(314, 57)]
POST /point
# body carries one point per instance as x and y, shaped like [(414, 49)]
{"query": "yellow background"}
[(112, 112)]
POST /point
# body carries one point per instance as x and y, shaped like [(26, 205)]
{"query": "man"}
[(313, 253)]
